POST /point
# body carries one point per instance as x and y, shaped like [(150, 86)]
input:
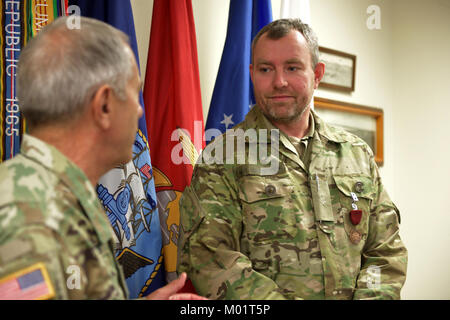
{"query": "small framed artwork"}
[(340, 68), (365, 122)]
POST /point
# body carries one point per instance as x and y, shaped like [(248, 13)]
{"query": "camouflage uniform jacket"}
[(52, 221), (252, 234)]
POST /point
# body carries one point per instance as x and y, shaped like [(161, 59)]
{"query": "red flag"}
[(174, 112)]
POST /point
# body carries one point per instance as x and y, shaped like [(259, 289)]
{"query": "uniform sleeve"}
[(384, 258), (71, 268), (209, 251), (31, 258)]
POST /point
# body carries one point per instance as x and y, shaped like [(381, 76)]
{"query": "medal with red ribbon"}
[(355, 214)]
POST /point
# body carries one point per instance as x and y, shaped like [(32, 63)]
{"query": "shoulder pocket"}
[(253, 186), (361, 185), (268, 207)]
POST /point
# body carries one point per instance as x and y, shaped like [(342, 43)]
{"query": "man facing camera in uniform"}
[(321, 226), (79, 92)]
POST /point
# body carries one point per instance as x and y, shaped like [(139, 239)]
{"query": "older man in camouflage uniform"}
[(315, 224), (79, 91)]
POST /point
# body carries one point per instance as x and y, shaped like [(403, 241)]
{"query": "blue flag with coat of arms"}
[(233, 91), (128, 192)]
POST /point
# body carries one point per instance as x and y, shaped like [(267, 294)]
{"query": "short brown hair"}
[(280, 28)]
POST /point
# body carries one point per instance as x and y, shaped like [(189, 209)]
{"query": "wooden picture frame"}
[(365, 122), (340, 69)]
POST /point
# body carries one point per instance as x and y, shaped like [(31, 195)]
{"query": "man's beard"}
[(297, 111)]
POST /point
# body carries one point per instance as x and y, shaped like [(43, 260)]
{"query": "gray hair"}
[(60, 69), (280, 28)]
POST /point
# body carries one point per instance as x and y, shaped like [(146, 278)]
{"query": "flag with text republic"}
[(19, 20)]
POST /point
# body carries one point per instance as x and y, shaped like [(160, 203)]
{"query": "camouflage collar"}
[(73, 177), (257, 120), (328, 131), (46, 155)]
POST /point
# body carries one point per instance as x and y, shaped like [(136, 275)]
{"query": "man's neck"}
[(298, 128), (76, 146)]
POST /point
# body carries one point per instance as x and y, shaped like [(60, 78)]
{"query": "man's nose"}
[(279, 80)]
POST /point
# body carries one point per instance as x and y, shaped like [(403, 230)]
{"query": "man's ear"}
[(101, 107), (251, 72), (319, 71)]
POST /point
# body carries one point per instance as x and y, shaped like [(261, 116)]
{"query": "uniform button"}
[(270, 190), (359, 187)]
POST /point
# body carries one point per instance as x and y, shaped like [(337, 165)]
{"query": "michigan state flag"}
[(233, 92), (20, 20), (128, 192)]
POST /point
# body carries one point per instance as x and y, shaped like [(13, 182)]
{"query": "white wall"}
[(211, 20), (142, 12), (341, 25), (422, 133), (401, 68)]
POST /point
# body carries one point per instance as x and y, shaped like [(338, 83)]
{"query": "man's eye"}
[(293, 68), (264, 70)]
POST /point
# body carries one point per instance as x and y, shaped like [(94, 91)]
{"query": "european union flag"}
[(128, 193), (233, 91)]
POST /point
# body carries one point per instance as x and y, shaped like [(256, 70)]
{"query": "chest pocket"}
[(344, 200), (267, 206)]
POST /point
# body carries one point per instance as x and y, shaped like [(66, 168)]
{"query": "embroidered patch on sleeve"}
[(30, 283)]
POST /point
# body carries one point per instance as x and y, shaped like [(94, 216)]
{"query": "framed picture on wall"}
[(340, 68), (365, 122)]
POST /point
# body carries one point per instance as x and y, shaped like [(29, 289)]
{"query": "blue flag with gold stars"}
[(233, 92), (128, 192)]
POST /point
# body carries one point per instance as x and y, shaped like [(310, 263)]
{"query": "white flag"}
[(296, 9)]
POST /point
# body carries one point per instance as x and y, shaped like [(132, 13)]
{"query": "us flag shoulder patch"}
[(30, 283)]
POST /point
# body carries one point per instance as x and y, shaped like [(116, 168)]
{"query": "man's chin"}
[(285, 120), (285, 114), (125, 160), (284, 117)]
